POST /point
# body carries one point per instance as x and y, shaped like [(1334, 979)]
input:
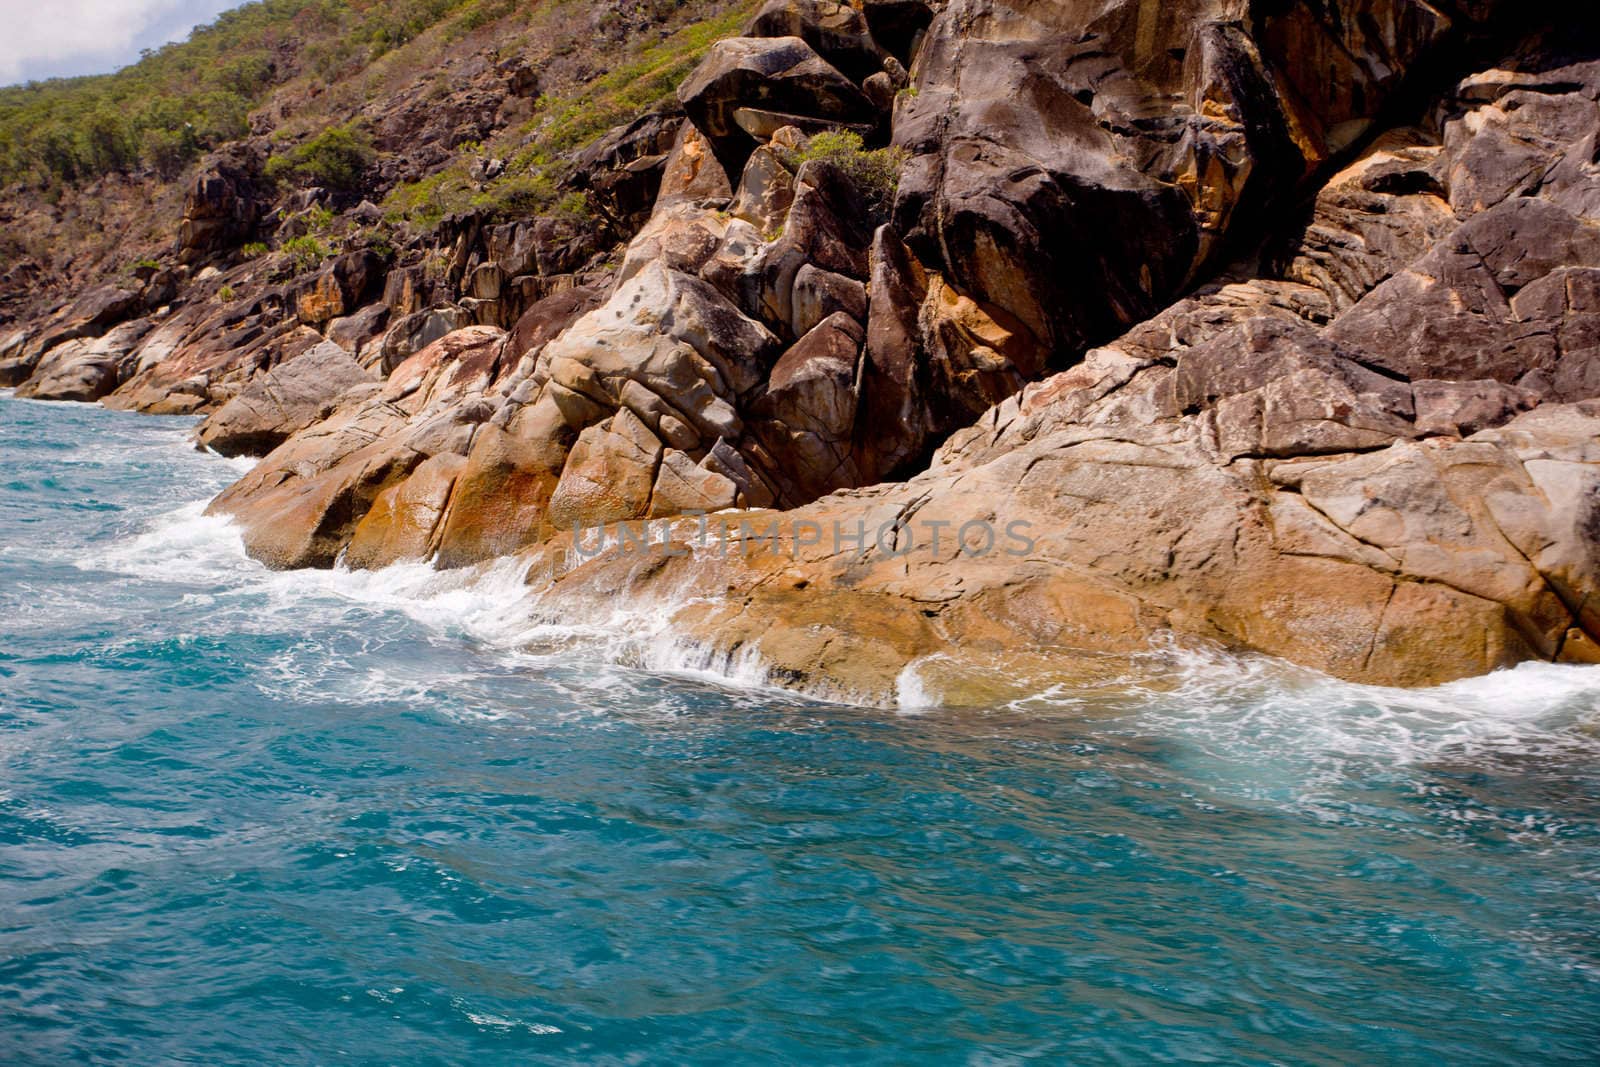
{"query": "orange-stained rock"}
[(300, 506), (1371, 445), (503, 492), (609, 475), (404, 519)]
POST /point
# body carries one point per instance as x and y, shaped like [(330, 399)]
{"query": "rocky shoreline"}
[(1278, 327)]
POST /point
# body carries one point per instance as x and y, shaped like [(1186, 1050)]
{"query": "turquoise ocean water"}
[(331, 818)]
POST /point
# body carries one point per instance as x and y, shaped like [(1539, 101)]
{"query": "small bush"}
[(336, 158), (253, 250), (481, 13), (875, 172), (226, 294), (305, 253), (377, 238)]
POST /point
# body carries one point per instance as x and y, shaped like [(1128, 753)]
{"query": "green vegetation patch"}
[(336, 158), (645, 77), (189, 97), (874, 171)]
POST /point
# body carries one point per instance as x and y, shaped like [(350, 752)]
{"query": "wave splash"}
[(1229, 706)]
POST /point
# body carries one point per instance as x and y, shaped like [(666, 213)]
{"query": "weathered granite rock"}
[(86, 368), (683, 487), (404, 518), (224, 203), (691, 172), (609, 474), (88, 316), (1511, 296), (286, 399), (1384, 463), (301, 505), (338, 289), (412, 333), (836, 30), (808, 413), (1368, 444), (1389, 567), (622, 172), (355, 332), (13, 369), (1039, 130), (766, 190), (502, 495), (775, 75)]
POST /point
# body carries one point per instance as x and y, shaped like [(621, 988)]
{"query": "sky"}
[(59, 38)]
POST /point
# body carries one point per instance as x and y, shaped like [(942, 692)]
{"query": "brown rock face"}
[(404, 519), (1383, 463), (223, 204), (338, 290), (622, 171), (837, 31), (1038, 131), (84, 368), (301, 505), (293, 395), (1177, 339)]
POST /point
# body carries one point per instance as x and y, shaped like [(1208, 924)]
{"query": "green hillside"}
[(184, 98)]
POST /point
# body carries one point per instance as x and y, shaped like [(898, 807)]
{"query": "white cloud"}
[(49, 38)]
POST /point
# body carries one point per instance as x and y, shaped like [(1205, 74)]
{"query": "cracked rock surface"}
[(1273, 324)]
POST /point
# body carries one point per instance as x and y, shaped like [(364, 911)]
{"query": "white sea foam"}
[(1242, 708), (1226, 705), (912, 692), (490, 604)]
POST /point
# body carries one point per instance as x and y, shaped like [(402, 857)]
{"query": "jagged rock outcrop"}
[(622, 171), (302, 505), (86, 317), (225, 201), (1383, 463), (750, 87), (84, 368), (1155, 304)]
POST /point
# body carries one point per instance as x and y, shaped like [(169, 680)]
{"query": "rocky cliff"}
[(982, 331)]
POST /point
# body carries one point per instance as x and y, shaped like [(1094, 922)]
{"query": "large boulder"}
[(301, 505), (90, 315), (808, 413), (609, 475), (836, 30), (621, 172), (14, 370), (224, 203), (1039, 131), (283, 401), (412, 333), (744, 80), (86, 368), (404, 519)]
